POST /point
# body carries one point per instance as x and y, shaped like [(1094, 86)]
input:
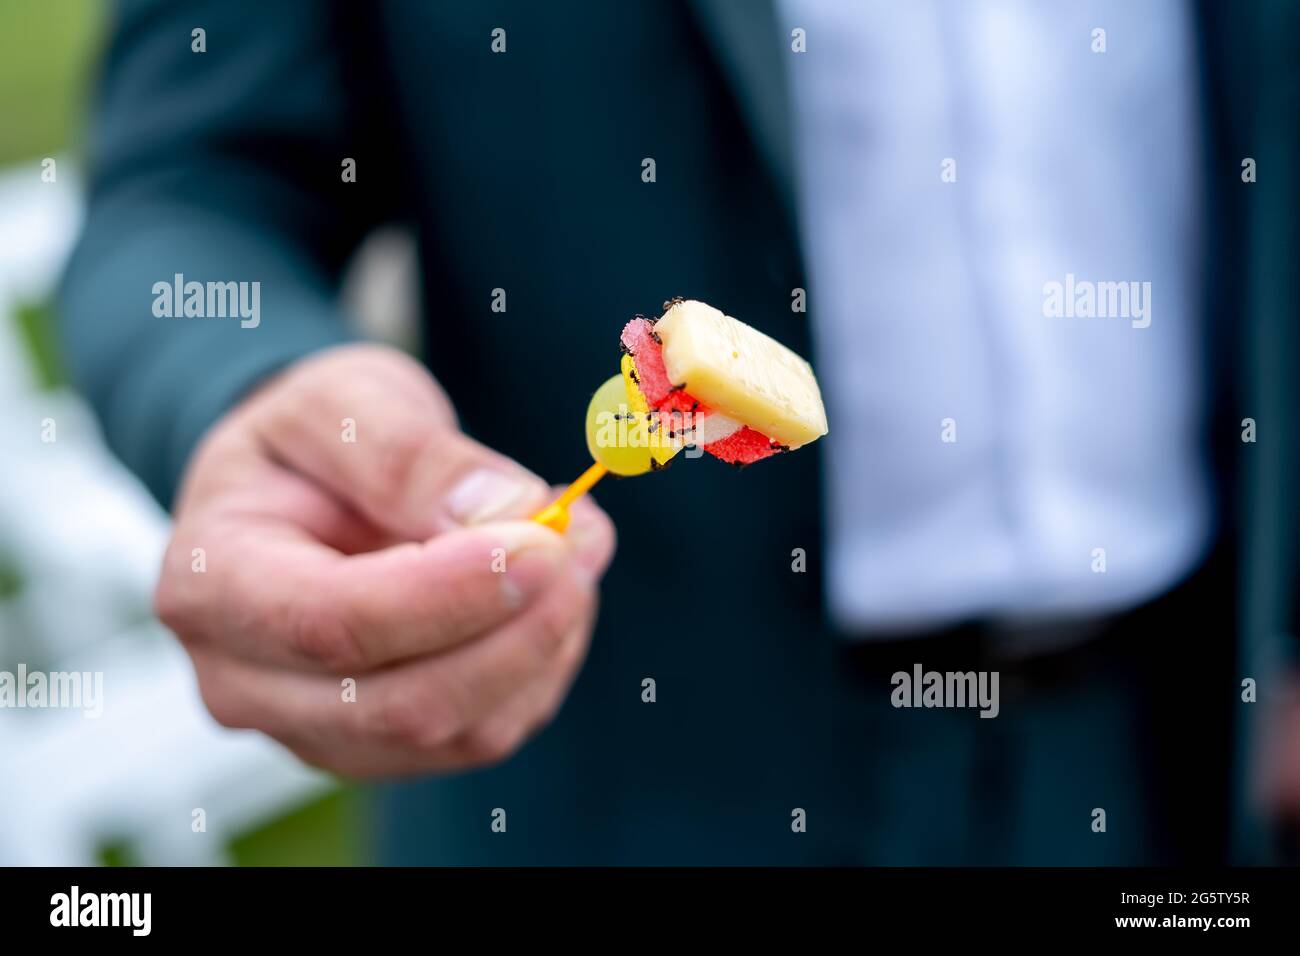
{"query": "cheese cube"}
[(742, 373)]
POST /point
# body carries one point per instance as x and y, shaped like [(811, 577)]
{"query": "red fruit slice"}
[(638, 338), (743, 447)]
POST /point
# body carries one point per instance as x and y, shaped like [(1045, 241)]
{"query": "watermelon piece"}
[(639, 340), (744, 447), (721, 436)]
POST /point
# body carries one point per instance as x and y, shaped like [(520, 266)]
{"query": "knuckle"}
[(558, 623), (324, 639), (384, 364), (490, 744), (225, 714), (223, 705), (552, 629), (412, 722), (167, 604), (574, 650), (404, 448), (552, 707), (313, 757), (172, 604)]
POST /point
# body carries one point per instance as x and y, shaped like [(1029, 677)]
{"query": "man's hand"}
[(398, 559)]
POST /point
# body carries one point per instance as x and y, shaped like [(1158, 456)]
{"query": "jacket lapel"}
[(747, 43)]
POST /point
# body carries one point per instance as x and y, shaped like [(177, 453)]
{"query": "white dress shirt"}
[(1075, 435)]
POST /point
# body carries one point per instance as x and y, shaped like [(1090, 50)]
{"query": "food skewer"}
[(556, 515), (694, 378)]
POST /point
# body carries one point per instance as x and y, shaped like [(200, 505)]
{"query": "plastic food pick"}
[(556, 515)]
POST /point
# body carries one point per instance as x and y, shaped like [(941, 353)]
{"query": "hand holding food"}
[(383, 606)]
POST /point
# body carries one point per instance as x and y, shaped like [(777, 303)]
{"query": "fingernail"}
[(483, 495), (533, 556)]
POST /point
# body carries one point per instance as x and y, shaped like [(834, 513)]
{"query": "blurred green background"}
[(48, 50)]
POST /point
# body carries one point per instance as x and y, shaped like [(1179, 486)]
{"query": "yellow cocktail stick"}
[(556, 516)]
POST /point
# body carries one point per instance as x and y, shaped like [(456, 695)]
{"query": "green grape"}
[(618, 437)]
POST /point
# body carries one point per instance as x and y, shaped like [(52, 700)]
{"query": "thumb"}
[(400, 461)]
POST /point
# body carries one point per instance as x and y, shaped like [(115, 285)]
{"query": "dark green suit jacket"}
[(522, 171)]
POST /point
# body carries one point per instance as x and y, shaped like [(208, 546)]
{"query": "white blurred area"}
[(84, 540)]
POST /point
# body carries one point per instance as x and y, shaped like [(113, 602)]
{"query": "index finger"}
[(272, 594)]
